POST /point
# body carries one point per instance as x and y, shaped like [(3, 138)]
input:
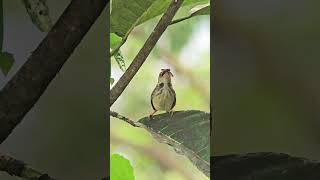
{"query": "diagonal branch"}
[(26, 87), (18, 168), (142, 55)]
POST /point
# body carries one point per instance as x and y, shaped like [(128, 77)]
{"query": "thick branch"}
[(18, 168), (144, 51), (264, 166), (26, 87)]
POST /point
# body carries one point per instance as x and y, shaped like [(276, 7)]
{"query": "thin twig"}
[(181, 19), (133, 123), (22, 92), (142, 55), (18, 168)]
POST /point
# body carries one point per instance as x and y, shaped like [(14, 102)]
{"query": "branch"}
[(131, 122), (18, 168), (263, 166), (144, 51), (26, 87), (181, 19)]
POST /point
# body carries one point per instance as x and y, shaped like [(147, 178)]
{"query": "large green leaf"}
[(125, 15), (121, 168), (188, 132)]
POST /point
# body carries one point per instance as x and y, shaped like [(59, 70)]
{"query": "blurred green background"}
[(185, 49), (267, 77), (65, 133)]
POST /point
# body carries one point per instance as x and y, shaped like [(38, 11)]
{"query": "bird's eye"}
[(161, 85)]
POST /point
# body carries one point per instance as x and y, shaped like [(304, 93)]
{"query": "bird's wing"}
[(152, 98), (174, 101)]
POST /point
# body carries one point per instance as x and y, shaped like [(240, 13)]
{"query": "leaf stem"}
[(181, 19)]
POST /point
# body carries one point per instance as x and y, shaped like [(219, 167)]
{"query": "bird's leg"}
[(151, 115), (170, 113)]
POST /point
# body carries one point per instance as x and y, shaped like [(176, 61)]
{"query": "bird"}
[(163, 97)]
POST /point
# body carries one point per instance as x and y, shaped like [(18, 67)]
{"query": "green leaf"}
[(188, 132), (125, 15), (120, 60), (111, 81), (114, 40), (201, 10), (121, 168), (39, 14), (6, 62)]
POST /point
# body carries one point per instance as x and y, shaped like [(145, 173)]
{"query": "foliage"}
[(121, 168), (187, 132), (6, 59), (39, 14), (6, 62), (135, 100), (125, 15)]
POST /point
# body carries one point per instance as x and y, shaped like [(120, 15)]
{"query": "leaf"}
[(111, 81), (125, 15), (120, 60), (114, 40), (203, 9), (39, 14), (6, 62), (188, 132), (200, 10), (121, 168)]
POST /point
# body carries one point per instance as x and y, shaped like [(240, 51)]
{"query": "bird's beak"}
[(163, 71)]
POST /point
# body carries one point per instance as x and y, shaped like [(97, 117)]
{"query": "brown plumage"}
[(163, 97)]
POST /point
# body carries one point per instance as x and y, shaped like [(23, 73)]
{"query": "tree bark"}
[(18, 168), (26, 87)]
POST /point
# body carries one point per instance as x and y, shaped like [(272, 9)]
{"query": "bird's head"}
[(165, 76)]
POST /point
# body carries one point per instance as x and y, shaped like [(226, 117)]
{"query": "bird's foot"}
[(170, 113)]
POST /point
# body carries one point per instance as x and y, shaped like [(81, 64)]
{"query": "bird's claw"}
[(170, 114)]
